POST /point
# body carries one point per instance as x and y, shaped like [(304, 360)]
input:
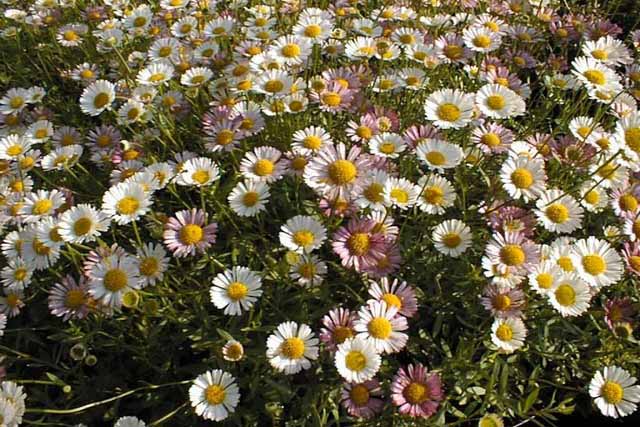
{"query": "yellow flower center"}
[(436, 158), (74, 299), (379, 327), (214, 394), (342, 172), (70, 36), (115, 280), (139, 21), (201, 176), (263, 167), (303, 238), (341, 334), (82, 226), (274, 86), (101, 100), (416, 393), (20, 274), (237, 291), (594, 264), (359, 394), (628, 202), (433, 195), (191, 234), (399, 195), (292, 348), (234, 351), (250, 198), (453, 51), (16, 102), (490, 139), (504, 332), (307, 270), (149, 266), (42, 207), (364, 132), (600, 54), (521, 178), (392, 300), (545, 280), (448, 112), (496, 102), (596, 77), (355, 361), (451, 240), (512, 255), (565, 295), (501, 302), (313, 30), (373, 192), (332, 99), (612, 392), (312, 142), (557, 213), (127, 205), (592, 197), (565, 263), (482, 41), (291, 50), (634, 261), (358, 243)]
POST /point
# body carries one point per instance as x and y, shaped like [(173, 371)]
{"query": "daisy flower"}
[(310, 140), (570, 296), (449, 108), (199, 171), (40, 204), (481, 39), (292, 347), (595, 75), (395, 294), (593, 198), (387, 144), (186, 233), (236, 290), (492, 138), (400, 192), (512, 252), (69, 298), (214, 395), (152, 262), (416, 391), (308, 270), (156, 74), (125, 202), (362, 400), (97, 97), (438, 154), (12, 302), (14, 101), (544, 277), (82, 223), (337, 327), (380, 323), (508, 334), (615, 391), (113, 277), (596, 262), (334, 171), (499, 102), (249, 198), (437, 194), (16, 274), (523, 177), (558, 212), (302, 234), (129, 422), (503, 301), (358, 244), (262, 164), (371, 195), (452, 237), (232, 351), (608, 50), (357, 360), (291, 50), (13, 146)]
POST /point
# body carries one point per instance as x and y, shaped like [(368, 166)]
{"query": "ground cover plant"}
[(319, 213)]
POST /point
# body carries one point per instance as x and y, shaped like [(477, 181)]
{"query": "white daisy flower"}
[(596, 262), (214, 395), (156, 74), (40, 204), (449, 108), (308, 270), (292, 347), (387, 144), (249, 198), (558, 212), (302, 234), (595, 75), (523, 177), (62, 157), (129, 422), (593, 197), (112, 277), (14, 101), (382, 324), (199, 171), (371, 195), (438, 154), (82, 223), (615, 391), (400, 192), (608, 50), (570, 296), (508, 333), (97, 97), (152, 262), (452, 237), (499, 102), (357, 360), (437, 194), (125, 202), (481, 39), (262, 164), (16, 274), (196, 76), (310, 140), (236, 290), (544, 277), (13, 146)]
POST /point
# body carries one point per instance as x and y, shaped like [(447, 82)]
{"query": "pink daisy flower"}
[(337, 327), (388, 264), (358, 245), (363, 130), (186, 233), (513, 219), (69, 299), (631, 254), (397, 294), (334, 97), (503, 301), (362, 400), (492, 138), (335, 172), (416, 392), (512, 252), (415, 134), (617, 310)]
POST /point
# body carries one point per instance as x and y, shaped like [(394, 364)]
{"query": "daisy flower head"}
[(214, 395), (608, 50), (499, 102), (381, 324), (262, 164), (40, 204), (310, 140), (492, 138), (362, 400), (558, 212), (156, 74), (627, 135), (152, 262), (438, 154), (337, 327), (291, 50), (396, 294), (437, 194), (232, 351), (596, 262), (82, 223), (199, 171), (503, 301), (69, 298), (570, 295), (416, 391), (129, 422), (595, 75), (512, 252), (544, 277), (523, 177), (249, 198), (449, 108), (302, 234), (594, 198), (387, 144), (358, 244), (371, 195), (508, 334), (335, 172), (13, 146), (481, 39), (16, 274), (400, 193), (126, 202), (357, 360), (292, 347), (615, 391), (113, 277), (186, 233), (452, 237), (97, 97), (308, 270), (236, 290)]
